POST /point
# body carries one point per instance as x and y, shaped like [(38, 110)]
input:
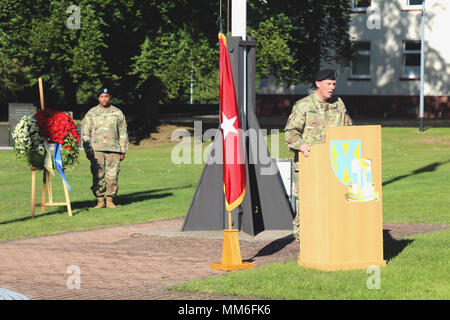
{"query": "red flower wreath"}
[(56, 125), (59, 127)]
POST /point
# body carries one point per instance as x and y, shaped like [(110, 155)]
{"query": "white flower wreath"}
[(28, 143)]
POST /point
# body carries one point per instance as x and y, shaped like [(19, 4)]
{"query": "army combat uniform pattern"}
[(104, 138), (307, 124)]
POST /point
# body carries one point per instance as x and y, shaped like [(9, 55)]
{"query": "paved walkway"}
[(134, 261)]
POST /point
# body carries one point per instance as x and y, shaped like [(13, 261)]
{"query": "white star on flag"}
[(227, 125)]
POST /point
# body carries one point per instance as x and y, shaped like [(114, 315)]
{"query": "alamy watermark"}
[(374, 281), (74, 20), (243, 146), (374, 18), (74, 279)]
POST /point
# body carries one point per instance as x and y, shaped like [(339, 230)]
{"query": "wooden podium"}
[(340, 194)]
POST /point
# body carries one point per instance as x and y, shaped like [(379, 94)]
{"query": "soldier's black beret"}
[(326, 74), (103, 90)]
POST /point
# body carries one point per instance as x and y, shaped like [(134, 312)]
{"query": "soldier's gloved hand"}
[(89, 156), (122, 156), (305, 149), (88, 150)]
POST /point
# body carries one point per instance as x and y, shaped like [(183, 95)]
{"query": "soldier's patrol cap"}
[(326, 74), (103, 90)]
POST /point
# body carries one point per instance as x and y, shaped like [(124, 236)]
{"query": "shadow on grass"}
[(391, 247), (37, 213), (140, 128), (429, 168), (121, 199), (129, 198)]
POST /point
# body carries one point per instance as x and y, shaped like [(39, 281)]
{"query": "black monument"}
[(16, 111)]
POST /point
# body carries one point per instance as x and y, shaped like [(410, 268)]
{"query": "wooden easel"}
[(46, 180)]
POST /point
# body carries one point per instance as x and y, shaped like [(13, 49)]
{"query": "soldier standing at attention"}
[(105, 141), (308, 123)]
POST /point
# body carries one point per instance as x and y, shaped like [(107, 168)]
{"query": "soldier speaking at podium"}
[(105, 141), (309, 120)]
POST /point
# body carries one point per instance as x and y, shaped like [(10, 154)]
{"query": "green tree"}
[(37, 35), (147, 51), (13, 73), (176, 59), (273, 55), (305, 32)]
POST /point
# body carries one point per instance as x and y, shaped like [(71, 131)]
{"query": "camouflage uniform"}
[(104, 138), (307, 124)]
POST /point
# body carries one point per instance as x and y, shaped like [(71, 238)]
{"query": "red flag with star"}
[(233, 154)]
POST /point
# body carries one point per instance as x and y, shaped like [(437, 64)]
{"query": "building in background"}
[(383, 79)]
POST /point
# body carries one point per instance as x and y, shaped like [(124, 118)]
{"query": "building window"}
[(414, 2), (360, 66), (411, 59), (360, 5), (412, 5)]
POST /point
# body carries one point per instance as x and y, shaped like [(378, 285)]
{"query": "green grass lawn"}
[(420, 271), (416, 174), (416, 171), (151, 188)]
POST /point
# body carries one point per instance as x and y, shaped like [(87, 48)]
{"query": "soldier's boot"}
[(100, 203), (110, 203)]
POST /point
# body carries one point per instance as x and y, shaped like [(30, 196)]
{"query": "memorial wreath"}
[(34, 133)]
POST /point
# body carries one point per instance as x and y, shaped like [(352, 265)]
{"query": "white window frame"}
[(356, 9), (405, 52), (364, 52)]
